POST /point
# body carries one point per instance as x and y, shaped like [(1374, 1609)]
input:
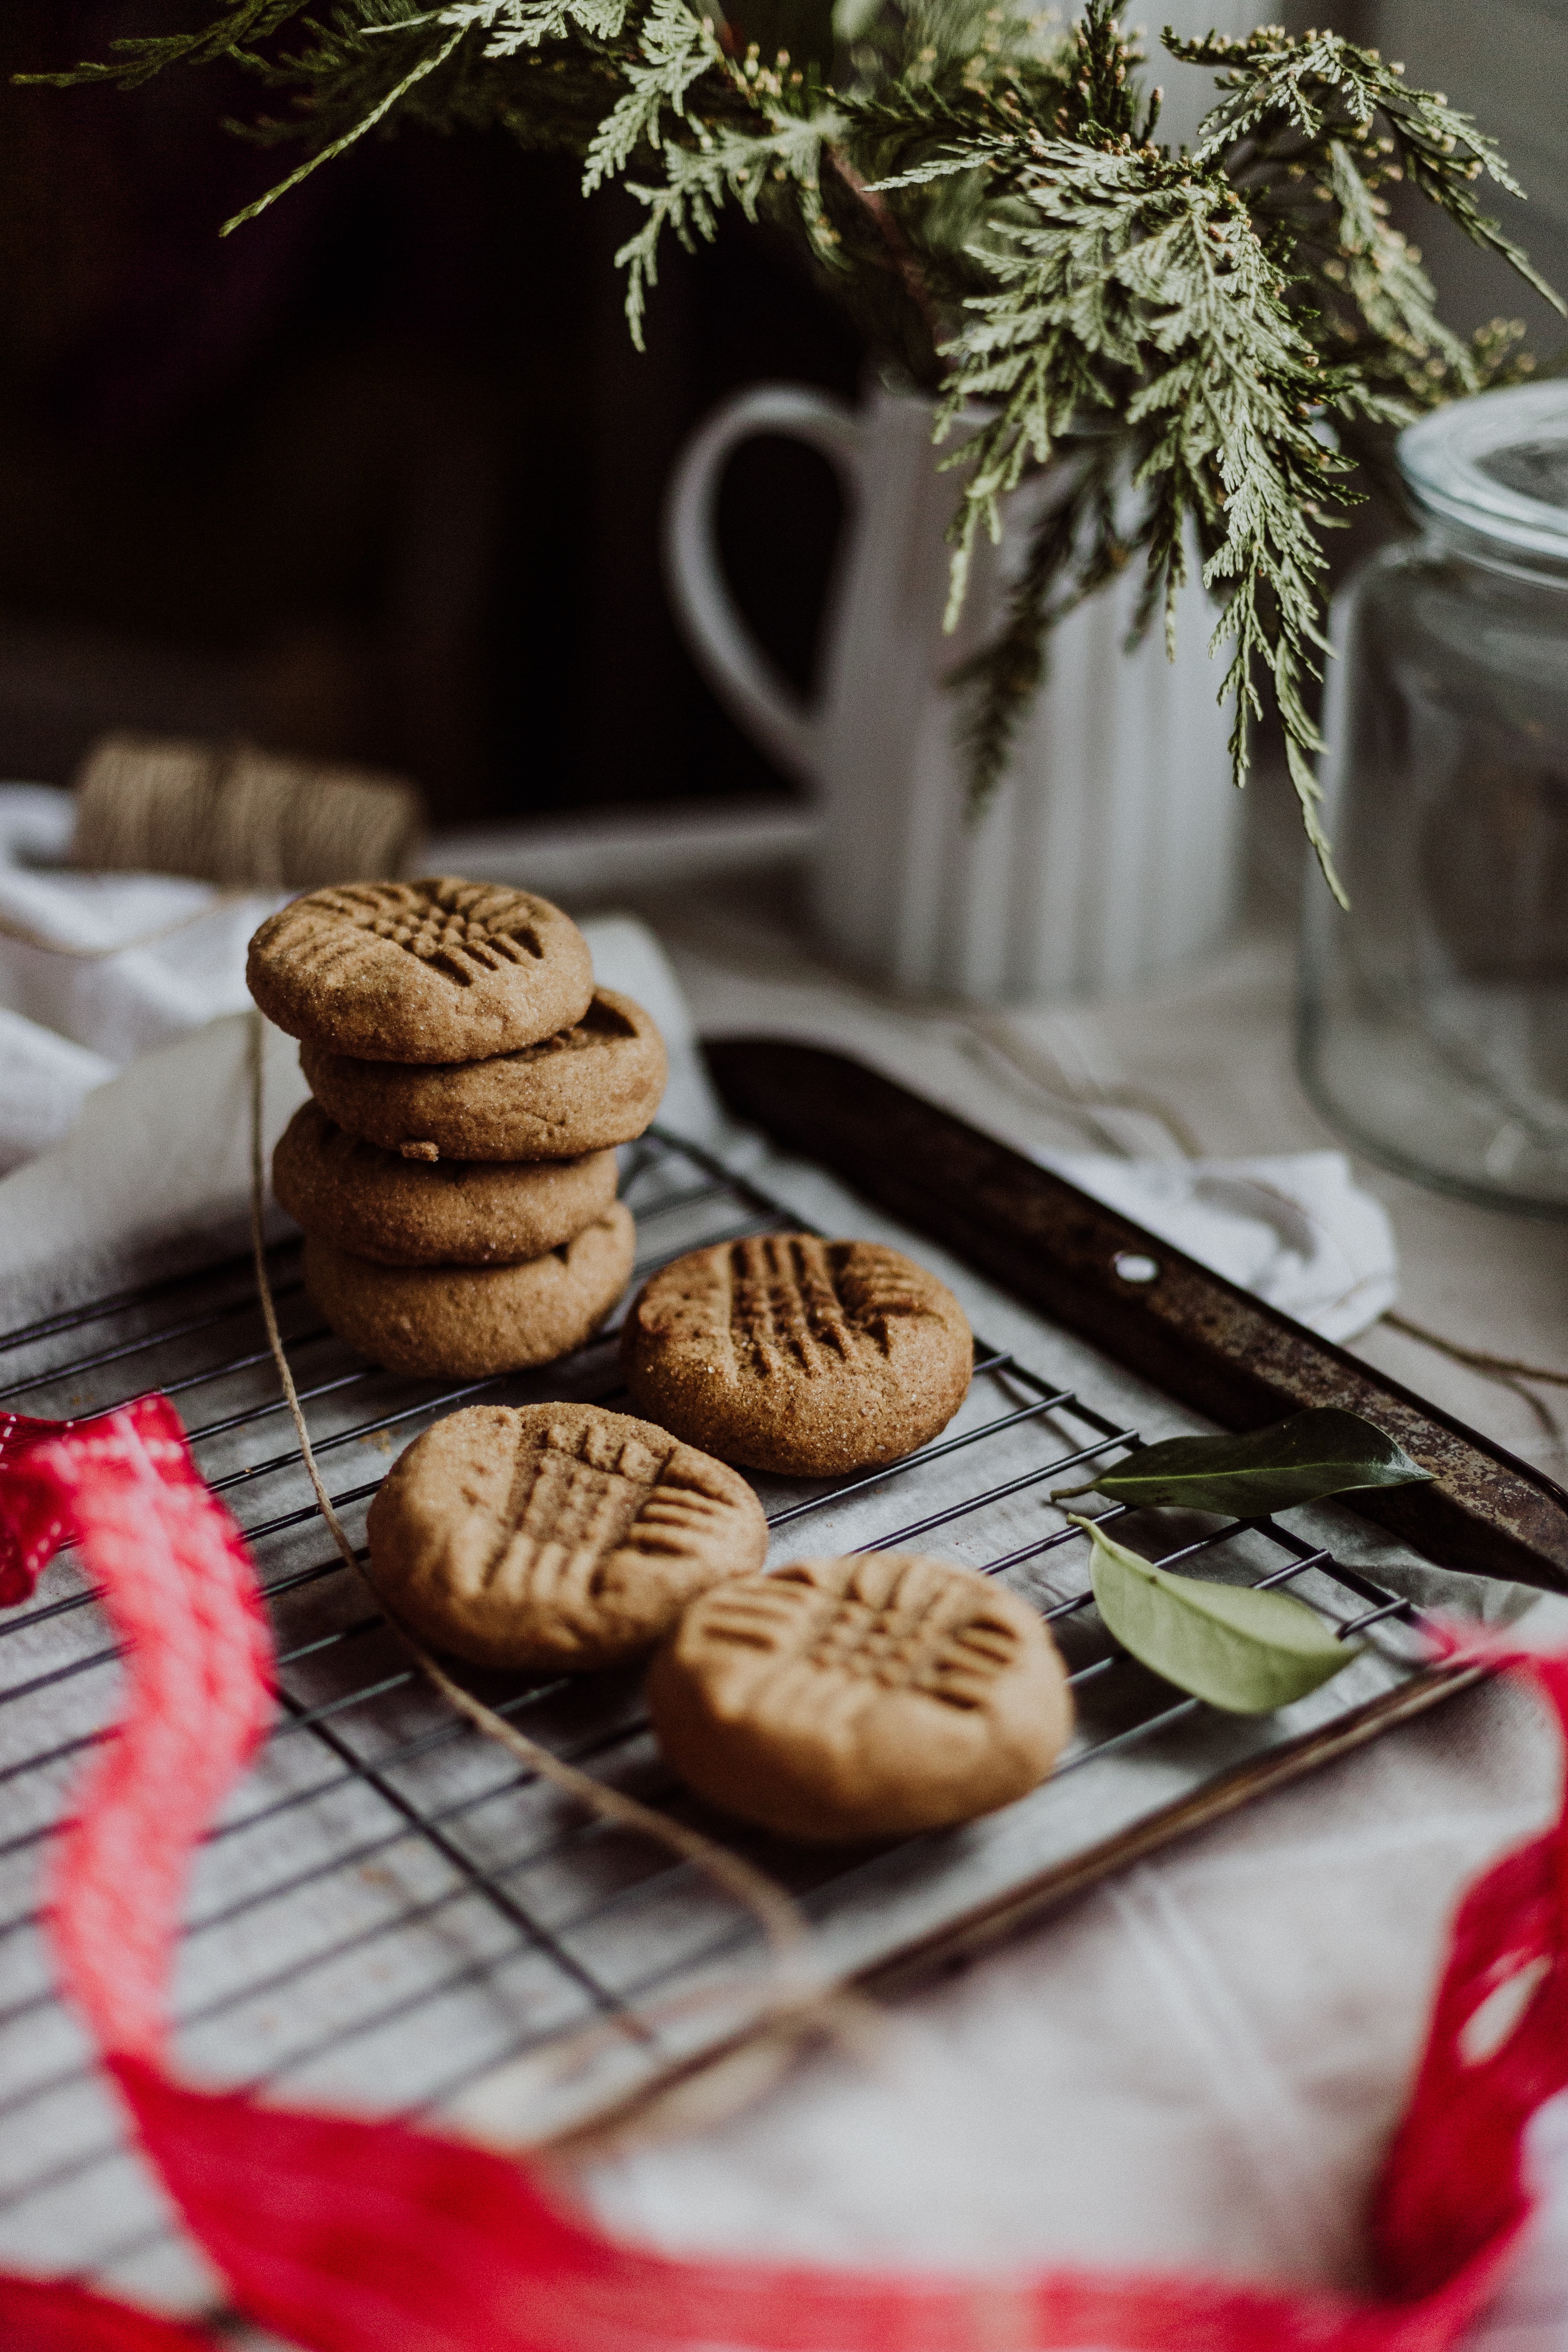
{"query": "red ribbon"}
[(347, 2235)]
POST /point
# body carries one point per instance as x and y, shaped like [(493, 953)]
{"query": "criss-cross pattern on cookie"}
[(463, 930), (602, 1025), (905, 1636), (586, 1493), (797, 1300)]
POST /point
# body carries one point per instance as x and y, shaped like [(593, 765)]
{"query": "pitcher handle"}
[(729, 657)]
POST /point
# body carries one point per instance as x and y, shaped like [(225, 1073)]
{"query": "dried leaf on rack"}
[(1243, 1650), (1324, 1451)]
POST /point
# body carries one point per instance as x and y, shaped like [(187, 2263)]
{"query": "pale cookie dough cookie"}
[(864, 1698), (402, 1213), (555, 1535), (595, 1084), (467, 1322), (796, 1355), (420, 971)]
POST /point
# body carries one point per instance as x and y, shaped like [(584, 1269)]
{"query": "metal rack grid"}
[(390, 1909)]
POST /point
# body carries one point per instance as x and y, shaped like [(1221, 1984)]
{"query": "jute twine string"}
[(236, 815), (793, 2005), (228, 814)]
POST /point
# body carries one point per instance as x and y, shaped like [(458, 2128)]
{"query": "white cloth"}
[(44, 1081), (1295, 1229), (1196, 2064), (157, 1161), (122, 1006), (1199, 2063), (123, 1082)]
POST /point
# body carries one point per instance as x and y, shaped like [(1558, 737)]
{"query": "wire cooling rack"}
[(391, 1913)]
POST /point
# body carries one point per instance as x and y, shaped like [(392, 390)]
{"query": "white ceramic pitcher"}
[(1110, 849)]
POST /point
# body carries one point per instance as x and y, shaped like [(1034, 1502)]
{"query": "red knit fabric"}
[(351, 2235), (41, 2315), (200, 1697)]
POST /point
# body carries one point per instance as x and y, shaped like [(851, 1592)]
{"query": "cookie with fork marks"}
[(582, 1089), (468, 1322), (555, 1535), (866, 1697), (801, 1356), (400, 1212), (439, 970)]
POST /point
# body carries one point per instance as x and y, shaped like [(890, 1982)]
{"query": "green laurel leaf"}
[(1324, 1451), (1242, 1650)]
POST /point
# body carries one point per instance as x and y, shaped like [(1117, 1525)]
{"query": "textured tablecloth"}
[(1201, 2062)]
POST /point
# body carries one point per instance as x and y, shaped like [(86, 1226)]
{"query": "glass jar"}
[(1434, 1016)]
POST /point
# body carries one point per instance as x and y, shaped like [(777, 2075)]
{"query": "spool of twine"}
[(241, 817)]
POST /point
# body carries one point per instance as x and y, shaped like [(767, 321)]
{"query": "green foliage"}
[(1205, 345), (232, 36), (1318, 1452), (1139, 290), (1240, 1647)]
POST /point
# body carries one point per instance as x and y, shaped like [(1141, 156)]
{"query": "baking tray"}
[(393, 1915)]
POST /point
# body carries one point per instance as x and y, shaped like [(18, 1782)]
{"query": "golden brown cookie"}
[(467, 1322), (595, 1084), (421, 971), (555, 1535), (399, 1212), (863, 1698), (797, 1355)]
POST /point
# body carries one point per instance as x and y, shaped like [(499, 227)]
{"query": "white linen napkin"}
[(119, 1005), (44, 1081), (1296, 1230), (155, 1172), (1195, 2064), (133, 1170)]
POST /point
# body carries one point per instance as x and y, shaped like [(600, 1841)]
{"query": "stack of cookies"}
[(455, 1173)]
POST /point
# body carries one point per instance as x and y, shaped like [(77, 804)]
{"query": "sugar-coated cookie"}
[(467, 1322), (555, 1535), (863, 1698), (437, 971), (595, 1084), (796, 1355), (376, 1204)]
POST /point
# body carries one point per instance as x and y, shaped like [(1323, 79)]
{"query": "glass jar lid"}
[(1496, 465)]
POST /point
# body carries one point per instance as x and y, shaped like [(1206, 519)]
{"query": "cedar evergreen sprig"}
[(1203, 344), (1142, 292)]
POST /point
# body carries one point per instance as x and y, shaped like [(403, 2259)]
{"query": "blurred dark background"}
[(378, 476)]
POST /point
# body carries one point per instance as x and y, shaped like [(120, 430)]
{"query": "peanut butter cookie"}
[(420, 971), (399, 1212), (796, 1355), (592, 1085), (467, 1322), (555, 1535), (864, 1698)]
